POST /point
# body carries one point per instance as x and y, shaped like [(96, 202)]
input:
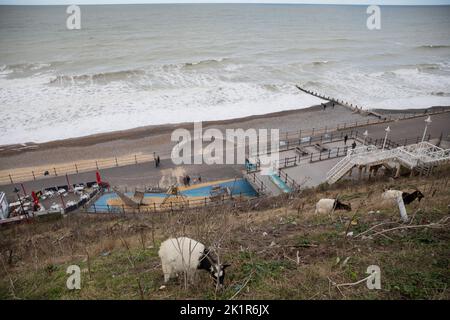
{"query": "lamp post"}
[(365, 134), (427, 122), (20, 200), (385, 137)]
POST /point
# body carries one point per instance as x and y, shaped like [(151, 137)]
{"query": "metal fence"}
[(256, 182), (85, 166), (331, 153), (299, 134), (288, 180), (179, 204)]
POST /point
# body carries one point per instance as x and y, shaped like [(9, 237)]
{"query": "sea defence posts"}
[(346, 104)]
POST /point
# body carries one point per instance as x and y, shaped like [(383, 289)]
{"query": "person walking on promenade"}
[(354, 145), (345, 139), (188, 181), (158, 161)]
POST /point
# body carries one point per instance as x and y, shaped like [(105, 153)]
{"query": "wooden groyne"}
[(351, 106)]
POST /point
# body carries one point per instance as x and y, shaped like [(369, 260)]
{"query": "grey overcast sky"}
[(362, 2)]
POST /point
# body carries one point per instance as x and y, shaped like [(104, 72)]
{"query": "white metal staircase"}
[(339, 170), (422, 156)]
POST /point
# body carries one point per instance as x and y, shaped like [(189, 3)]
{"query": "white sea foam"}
[(72, 111), (40, 108)]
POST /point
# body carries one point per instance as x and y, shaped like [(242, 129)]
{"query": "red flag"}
[(99, 179), (35, 198)]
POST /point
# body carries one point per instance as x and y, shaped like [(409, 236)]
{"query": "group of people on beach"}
[(187, 180)]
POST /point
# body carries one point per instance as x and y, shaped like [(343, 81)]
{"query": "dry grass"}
[(278, 248)]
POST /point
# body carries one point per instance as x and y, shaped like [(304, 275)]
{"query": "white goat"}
[(326, 206), (187, 255)]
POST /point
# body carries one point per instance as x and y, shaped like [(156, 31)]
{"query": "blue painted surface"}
[(238, 187), (280, 183)]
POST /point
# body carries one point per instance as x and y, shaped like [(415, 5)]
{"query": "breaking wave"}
[(440, 94), (21, 67), (21, 70), (150, 73), (205, 63), (433, 47), (103, 77)]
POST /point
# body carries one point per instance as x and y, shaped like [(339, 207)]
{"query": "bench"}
[(301, 151), (320, 147)]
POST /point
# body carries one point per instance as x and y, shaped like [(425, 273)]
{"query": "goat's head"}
[(215, 269), (419, 195), (347, 207), (343, 206), (217, 272)]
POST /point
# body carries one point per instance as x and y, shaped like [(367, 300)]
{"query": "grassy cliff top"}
[(278, 248)]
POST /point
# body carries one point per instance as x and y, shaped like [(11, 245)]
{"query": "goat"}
[(390, 196), (328, 205), (187, 255)]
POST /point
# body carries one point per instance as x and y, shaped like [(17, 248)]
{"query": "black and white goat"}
[(390, 196), (326, 206), (187, 255)]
